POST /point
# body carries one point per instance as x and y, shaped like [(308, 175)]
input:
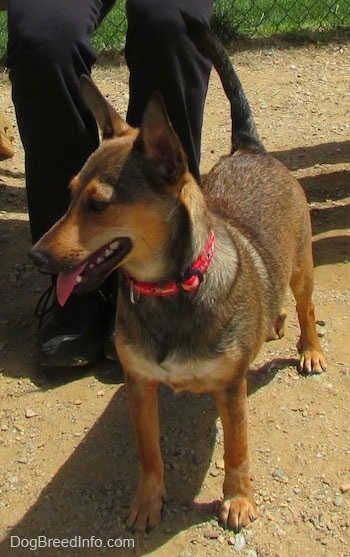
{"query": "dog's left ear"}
[(108, 120), (160, 144)]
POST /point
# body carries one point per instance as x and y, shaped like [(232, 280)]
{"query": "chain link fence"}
[(243, 19), (256, 19), (252, 19)]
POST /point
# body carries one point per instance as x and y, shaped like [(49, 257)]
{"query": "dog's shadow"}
[(90, 493)]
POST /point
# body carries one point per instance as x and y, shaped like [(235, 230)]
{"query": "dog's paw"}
[(312, 361), (145, 511), (237, 512), (279, 328)]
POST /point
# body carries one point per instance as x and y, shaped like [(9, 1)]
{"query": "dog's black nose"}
[(39, 257)]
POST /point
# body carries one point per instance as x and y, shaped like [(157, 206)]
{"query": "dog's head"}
[(122, 201)]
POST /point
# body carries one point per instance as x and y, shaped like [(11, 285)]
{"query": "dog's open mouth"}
[(91, 273)]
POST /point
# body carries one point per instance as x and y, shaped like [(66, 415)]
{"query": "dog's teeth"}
[(114, 245), (91, 266), (99, 260), (108, 252), (79, 279)]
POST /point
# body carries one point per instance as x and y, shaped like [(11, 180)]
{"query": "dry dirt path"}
[(68, 465)]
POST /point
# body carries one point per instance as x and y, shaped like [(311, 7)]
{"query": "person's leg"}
[(49, 48), (161, 57)]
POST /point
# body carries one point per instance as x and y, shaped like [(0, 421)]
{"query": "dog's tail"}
[(244, 132)]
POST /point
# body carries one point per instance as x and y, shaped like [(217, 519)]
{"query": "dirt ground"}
[(68, 465)]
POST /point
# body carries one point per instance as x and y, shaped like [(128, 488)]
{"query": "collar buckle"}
[(134, 293), (191, 280)]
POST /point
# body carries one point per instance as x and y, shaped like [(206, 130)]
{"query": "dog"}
[(203, 272)]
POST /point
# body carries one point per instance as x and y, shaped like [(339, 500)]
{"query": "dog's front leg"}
[(145, 509), (238, 507)]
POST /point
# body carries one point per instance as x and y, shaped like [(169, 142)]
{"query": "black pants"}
[(49, 47)]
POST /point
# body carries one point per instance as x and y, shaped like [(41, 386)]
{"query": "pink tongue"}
[(66, 282)]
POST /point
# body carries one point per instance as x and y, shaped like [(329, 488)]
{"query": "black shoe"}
[(72, 335)]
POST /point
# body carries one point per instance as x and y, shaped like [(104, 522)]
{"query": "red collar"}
[(190, 281)]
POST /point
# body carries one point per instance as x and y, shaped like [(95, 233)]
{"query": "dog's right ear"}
[(108, 120), (160, 144)]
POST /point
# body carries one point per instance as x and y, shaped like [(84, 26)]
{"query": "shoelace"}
[(45, 303)]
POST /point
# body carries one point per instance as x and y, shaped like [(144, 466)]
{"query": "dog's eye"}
[(97, 205)]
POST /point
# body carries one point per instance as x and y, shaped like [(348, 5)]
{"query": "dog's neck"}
[(188, 229), (189, 281)]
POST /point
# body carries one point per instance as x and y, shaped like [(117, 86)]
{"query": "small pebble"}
[(29, 413), (239, 542), (220, 464), (211, 535), (278, 473), (280, 531)]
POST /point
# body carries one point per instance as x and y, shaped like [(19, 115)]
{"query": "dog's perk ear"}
[(108, 120), (160, 143)]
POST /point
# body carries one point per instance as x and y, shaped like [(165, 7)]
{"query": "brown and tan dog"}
[(203, 273)]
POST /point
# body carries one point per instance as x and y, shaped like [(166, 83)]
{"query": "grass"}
[(236, 18), (3, 33), (265, 18), (112, 31)]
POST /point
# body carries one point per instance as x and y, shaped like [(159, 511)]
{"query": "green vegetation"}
[(264, 18), (232, 18), (3, 32), (112, 31)]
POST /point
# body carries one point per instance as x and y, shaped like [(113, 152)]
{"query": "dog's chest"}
[(193, 375)]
